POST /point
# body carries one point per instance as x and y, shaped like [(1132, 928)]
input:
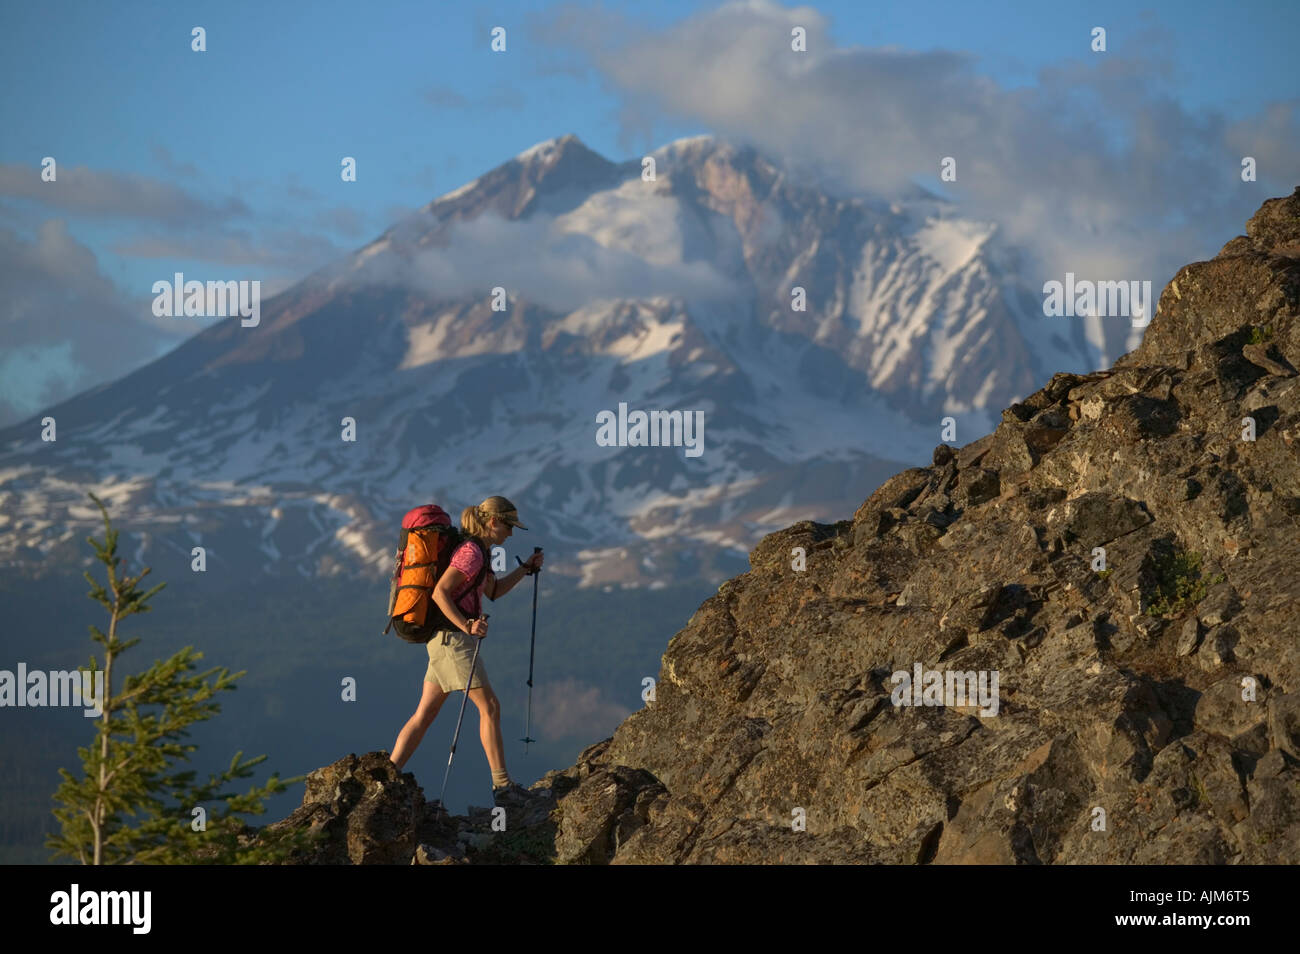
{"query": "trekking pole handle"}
[(536, 550)]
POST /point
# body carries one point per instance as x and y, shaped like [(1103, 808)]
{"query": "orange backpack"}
[(423, 555)]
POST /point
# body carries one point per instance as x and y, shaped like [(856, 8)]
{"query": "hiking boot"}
[(511, 794)]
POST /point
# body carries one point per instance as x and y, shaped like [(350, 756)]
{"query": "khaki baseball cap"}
[(503, 508)]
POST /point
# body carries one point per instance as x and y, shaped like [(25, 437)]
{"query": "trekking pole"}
[(456, 736), (532, 643)]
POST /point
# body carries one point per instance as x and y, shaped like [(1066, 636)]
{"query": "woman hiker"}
[(451, 651)]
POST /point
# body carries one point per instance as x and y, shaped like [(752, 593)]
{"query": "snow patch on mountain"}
[(633, 218), (951, 243), (543, 151), (370, 251), (467, 188), (427, 341)]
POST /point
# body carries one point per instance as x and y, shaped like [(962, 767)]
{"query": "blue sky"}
[(225, 164)]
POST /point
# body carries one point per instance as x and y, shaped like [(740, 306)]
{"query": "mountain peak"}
[(512, 188), (688, 144), (549, 150)]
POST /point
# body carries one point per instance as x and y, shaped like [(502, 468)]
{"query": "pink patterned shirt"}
[(468, 559)]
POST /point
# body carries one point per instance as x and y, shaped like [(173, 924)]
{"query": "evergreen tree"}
[(134, 804)]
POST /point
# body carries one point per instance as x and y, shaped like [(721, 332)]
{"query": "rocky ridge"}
[(1148, 706)]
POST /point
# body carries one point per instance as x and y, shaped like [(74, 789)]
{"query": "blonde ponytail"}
[(475, 522)]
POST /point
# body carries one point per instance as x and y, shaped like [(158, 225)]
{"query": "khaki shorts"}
[(450, 655)]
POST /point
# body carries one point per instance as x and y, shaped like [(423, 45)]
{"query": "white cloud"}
[(95, 193), (65, 326), (1096, 170), (534, 259)]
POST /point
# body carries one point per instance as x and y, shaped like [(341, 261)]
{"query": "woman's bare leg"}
[(489, 726), (407, 740)]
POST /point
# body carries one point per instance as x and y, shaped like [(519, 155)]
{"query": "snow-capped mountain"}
[(474, 344)]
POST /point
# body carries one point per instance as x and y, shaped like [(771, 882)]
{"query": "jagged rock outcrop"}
[(363, 810), (1147, 709)]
